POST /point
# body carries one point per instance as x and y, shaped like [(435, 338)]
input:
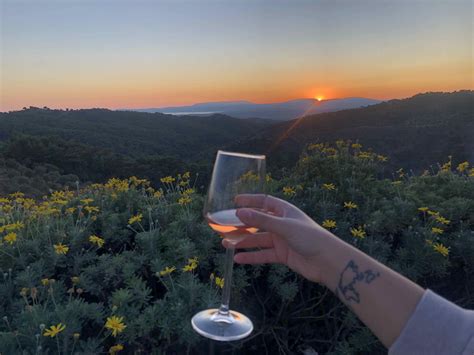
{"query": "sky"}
[(141, 54)]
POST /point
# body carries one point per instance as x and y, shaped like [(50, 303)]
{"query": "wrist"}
[(334, 253)]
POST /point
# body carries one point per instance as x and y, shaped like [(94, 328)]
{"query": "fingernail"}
[(244, 214)]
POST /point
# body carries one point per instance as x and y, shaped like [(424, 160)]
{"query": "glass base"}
[(213, 325)]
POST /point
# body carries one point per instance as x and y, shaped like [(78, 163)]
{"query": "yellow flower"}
[(356, 145), (158, 194), (28, 203), (433, 213), (315, 146), (189, 267), (17, 195), (440, 248), (167, 180), (364, 155), (76, 336), (446, 166), (115, 324), (70, 210), (184, 200), (442, 220), (423, 209), (398, 182), (117, 185), (4, 200), (436, 230), (400, 172), (86, 201), (75, 280), (12, 227), (24, 291), (6, 208), (268, 178), (54, 330), (329, 223), (289, 191), (135, 219), (250, 176), (91, 209), (45, 282), (212, 276), (59, 202), (463, 166), (220, 281), (471, 172), (10, 238), (61, 248), (350, 205), (192, 264), (115, 349), (358, 232), (188, 192), (329, 151), (137, 182), (329, 187), (382, 158), (97, 240), (168, 270)]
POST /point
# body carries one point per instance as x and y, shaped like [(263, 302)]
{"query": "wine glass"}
[(233, 174)]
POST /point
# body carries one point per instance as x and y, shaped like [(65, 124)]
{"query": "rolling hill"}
[(43, 148), (131, 133), (415, 132)]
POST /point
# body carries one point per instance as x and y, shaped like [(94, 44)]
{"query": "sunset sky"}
[(131, 54)]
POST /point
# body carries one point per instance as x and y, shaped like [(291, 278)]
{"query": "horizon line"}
[(231, 101)]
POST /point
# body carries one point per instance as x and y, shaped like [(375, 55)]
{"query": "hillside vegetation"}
[(124, 266), (417, 132), (130, 133), (42, 149)]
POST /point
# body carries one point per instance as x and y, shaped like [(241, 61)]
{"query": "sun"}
[(319, 98)]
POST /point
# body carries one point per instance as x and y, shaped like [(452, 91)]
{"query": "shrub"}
[(122, 265)]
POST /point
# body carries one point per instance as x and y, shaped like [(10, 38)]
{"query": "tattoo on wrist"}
[(350, 277)]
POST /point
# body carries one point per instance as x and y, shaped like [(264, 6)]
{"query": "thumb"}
[(262, 220)]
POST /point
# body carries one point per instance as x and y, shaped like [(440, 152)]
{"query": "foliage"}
[(125, 258), (35, 165), (415, 132), (131, 133)]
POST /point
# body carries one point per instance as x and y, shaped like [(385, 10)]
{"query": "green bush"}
[(121, 265)]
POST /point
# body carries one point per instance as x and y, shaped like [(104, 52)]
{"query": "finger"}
[(261, 201), (257, 257), (257, 240), (265, 221)]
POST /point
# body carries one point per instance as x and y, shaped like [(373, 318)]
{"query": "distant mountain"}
[(280, 111), (415, 132)]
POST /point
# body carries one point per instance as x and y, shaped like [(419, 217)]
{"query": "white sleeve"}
[(436, 327)]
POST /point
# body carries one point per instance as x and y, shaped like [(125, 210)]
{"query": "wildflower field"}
[(122, 266)]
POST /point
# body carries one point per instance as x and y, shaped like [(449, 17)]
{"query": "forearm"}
[(382, 299)]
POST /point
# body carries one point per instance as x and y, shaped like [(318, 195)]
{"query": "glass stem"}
[(229, 265)]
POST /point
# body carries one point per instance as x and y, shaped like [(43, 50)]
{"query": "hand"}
[(290, 237)]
